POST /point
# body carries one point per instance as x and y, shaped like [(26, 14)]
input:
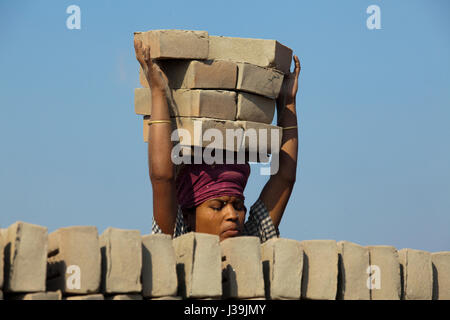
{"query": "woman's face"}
[(223, 216)]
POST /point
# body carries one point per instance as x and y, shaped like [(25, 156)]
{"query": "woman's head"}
[(212, 197), (222, 216)]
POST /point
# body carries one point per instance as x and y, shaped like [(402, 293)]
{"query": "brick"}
[(121, 252), (320, 269), (167, 298), (124, 297), (416, 274), (159, 274), (25, 258), (441, 275), (258, 80), (232, 140), (386, 259), (353, 264), (252, 107), (175, 44), (242, 268), (74, 251), (282, 261), (97, 296), (261, 52), (219, 104), (195, 74), (198, 265), (49, 295)]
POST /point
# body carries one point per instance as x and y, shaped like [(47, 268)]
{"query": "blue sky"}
[(374, 110)]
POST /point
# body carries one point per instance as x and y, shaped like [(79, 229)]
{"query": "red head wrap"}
[(197, 183)]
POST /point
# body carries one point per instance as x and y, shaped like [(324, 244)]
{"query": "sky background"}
[(373, 106)]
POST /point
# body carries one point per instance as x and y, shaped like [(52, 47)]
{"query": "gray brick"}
[(386, 259), (353, 264), (282, 265), (97, 296), (320, 269), (219, 104), (25, 258), (417, 274), (441, 275), (242, 268), (261, 52), (196, 74), (121, 260), (258, 80), (252, 107), (71, 250), (159, 275), (175, 44), (198, 265)]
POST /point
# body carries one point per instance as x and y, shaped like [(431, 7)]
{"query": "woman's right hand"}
[(156, 79)]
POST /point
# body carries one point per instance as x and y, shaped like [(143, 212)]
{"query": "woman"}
[(209, 198)]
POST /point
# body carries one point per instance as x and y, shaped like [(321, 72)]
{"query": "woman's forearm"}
[(289, 143), (160, 146)]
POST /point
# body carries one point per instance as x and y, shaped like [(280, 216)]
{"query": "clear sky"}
[(374, 110)]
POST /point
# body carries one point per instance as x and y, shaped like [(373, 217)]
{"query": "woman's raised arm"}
[(161, 167), (277, 191)]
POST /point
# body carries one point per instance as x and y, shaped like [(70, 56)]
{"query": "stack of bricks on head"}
[(75, 263), (224, 82)]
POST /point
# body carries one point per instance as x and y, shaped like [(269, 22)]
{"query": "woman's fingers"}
[(297, 66)]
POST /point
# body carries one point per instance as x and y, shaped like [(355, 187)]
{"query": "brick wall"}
[(75, 263)]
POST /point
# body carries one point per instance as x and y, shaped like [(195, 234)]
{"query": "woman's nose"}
[(230, 212)]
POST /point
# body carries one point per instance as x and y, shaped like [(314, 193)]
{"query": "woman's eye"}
[(216, 208)]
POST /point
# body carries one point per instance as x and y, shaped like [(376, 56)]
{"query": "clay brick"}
[(49, 295), (252, 107), (417, 274), (175, 44), (159, 274), (386, 259), (233, 141), (121, 260), (261, 52), (124, 297), (242, 268), (25, 258), (97, 296), (353, 264), (167, 298), (259, 80), (218, 104), (441, 275), (198, 265), (282, 261), (195, 74), (74, 251), (320, 269)]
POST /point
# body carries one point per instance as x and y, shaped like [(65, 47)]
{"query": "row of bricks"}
[(197, 265), (218, 104), (187, 44), (253, 137), (219, 74)]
